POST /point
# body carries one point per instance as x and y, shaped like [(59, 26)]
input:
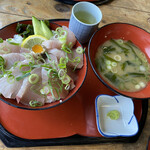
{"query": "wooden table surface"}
[(135, 12)]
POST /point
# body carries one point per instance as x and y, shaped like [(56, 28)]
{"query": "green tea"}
[(85, 17)]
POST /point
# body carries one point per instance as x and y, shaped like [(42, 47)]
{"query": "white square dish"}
[(125, 125)]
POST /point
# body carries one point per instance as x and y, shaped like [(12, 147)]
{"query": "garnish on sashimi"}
[(38, 65)]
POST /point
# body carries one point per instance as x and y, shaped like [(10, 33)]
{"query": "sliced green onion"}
[(2, 61), (11, 79), (125, 50), (48, 56), (67, 87), (63, 36), (33, 78), (52, 73), (27, 65), (66, 48), (5, 51), (108, 62), (16, 63), (66, 79), (109, 58), (77, 59), (143, 57), (136, 74), (114, 70), (120, 41), (142, 84), (1, 75), (58, 30), (29, 57), (23, 76), (63, 33), (117, 57), (40, 59), (1, 40), (45, 90), (108, 49), (60, 34), (31, 64), (109, 67), (57, 91), (75, 67), (63, 60), (36, 88), (137, 86), (54, 65), (62, 63), (7, 72), (80, 50), (130, 45), (11, 41), (134, 81), (114, 64), (42, 65), (55, 35), (34, 103), (142, 68), (61, 66), (61, 73), (60, 86)]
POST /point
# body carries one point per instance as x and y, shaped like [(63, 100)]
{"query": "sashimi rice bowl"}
[(41, 64)]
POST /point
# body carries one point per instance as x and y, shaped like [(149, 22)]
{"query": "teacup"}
[(84, 20)]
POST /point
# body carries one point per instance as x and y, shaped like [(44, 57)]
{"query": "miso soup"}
[(123, 65)]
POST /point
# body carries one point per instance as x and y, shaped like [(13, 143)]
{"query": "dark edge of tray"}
[(96, 2), (11, 140), (148, 144)]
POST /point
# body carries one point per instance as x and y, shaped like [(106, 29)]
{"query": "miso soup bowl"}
[(124, 31), (10, 30)]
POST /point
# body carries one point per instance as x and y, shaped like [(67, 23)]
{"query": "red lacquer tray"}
[(72, 122)]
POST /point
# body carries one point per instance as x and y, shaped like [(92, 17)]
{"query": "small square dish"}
[(124, 125)]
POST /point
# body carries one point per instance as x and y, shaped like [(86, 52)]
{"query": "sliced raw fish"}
[(74, 55), (6, 48), (24, 50), (53, 62), (53, 91), (56, 52), (48, 89), (53, 43), (70, 36), (73, 77), (44, 75), (62, 94), (11, 58), (9, 90), (30, 91)]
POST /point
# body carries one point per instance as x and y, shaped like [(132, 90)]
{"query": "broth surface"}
[(123, 65), (85, 17)]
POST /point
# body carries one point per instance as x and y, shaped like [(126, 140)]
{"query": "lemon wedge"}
[(33, 42)]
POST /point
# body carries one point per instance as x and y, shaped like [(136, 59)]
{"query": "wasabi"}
[(113, 114)]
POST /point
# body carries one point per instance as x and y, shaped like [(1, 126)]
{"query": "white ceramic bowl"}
[(126, 125)]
